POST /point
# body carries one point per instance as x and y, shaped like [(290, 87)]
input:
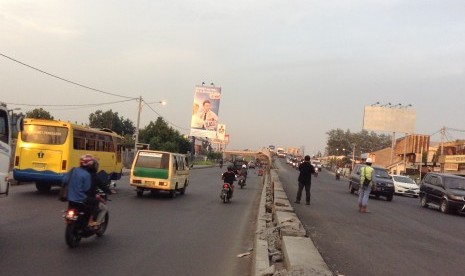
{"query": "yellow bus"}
[(47, 149), (159, 171)]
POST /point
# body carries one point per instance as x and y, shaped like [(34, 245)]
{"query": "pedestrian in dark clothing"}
[(305, 179)]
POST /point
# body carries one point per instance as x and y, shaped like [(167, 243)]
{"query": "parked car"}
[(404, 185), (444, 190), (381, 179)]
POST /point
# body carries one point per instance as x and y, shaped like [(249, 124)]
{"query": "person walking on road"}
[(306, 170), (366, 183)]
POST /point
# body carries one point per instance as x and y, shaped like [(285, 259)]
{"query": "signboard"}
[(221, 132), (451, 167), (204, 121), (223, 141), (379, 118), (454, 159)]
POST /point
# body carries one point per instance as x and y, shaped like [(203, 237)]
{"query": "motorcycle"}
[(226, 193), (77, 222), (338, 175), (240, 180), (316, 172)]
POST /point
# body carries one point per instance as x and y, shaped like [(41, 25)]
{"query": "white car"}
[(404, 185)]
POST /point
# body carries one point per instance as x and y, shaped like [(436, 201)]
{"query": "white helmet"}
[(369, 160), (244, 166)]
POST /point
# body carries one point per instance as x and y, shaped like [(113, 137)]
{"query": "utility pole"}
[(405, 153), (353, 157), (443, 134), (139, 110), (392, 146), (421, 160)]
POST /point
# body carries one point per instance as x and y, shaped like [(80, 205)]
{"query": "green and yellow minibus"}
[(47, 149), (159, 171)]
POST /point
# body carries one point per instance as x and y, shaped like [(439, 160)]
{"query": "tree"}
[(111, 120), (161, 136), (364, 142), (39, 113)]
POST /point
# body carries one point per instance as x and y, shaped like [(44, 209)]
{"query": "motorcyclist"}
[(228, 177), (338, 173), (99, 209), (77, 183), (221, 163), (243, 171)]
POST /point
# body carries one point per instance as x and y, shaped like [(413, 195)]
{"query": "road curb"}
[(261, 262), (276, 214)]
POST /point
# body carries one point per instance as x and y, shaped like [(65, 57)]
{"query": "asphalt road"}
[(193, 234), (397, 238)]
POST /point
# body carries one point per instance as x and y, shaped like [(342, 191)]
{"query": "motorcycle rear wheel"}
[(103, 226), (71, 236)]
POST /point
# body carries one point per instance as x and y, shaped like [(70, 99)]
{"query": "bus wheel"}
[(183, 190), (43, 187), (173, 192), (139, 192)]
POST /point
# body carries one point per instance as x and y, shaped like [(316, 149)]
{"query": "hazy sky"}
[(289, 70)]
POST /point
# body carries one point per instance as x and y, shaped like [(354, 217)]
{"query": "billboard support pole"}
[(392, 146), (405, 153)]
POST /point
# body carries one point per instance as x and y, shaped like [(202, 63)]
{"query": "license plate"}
[(150, 182), (40, 166)]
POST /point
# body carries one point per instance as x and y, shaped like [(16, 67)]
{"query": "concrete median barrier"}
[(281, 244)]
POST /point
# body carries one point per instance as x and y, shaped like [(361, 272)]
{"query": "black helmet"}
[(230, 168)]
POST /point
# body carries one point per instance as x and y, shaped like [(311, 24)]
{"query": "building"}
[(406, 156)]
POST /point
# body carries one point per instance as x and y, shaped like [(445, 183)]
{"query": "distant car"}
[(382, 181), (251, 165), (444, 190), (404, 185)]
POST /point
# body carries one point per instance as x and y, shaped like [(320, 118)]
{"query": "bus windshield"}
[(49, 135), (4, 127), (153, 160)]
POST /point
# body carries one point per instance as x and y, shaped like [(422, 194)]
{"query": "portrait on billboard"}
[(206, 105)]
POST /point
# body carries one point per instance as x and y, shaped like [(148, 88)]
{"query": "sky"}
[(290, 70)]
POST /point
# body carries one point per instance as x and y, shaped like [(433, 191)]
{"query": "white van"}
[(5, 149), (159, 171)]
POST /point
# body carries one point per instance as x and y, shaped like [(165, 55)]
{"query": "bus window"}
[(51, 135), (119, 153), (181, 163), (4, 126), (151, 160), (79, 140), (175, 163)]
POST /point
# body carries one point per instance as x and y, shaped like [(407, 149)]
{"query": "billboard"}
[(220, 135), (205, 110), (379, 118), (221, 132)]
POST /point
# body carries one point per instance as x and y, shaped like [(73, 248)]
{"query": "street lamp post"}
[(139, 110), (136, 138)]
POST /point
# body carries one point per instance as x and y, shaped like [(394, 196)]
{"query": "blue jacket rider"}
[(79, 181)]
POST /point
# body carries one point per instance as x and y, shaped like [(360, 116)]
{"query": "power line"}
[(63, 79), (72, 105), (89, 106), (163, 117), (454, 129)]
